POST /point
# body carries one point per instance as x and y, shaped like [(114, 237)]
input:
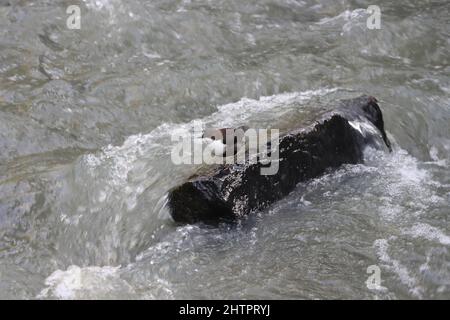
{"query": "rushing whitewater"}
[(86, 119)]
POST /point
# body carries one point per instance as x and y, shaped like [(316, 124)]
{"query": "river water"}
[(86, 118)]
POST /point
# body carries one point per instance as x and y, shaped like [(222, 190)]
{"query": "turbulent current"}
[(87, 116)]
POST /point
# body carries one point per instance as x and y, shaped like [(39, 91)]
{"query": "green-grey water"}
[(86, 118)]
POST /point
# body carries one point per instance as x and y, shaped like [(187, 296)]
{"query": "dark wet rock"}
[(334, 137)]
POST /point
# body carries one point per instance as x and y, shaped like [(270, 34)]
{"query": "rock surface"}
[(332, 138)]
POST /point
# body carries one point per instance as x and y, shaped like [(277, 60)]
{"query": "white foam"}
[(364, 127), (423, 230), (100, 4), (112, 8), (247, 107), (382, 246), (344, 16), (434, 155), (402, 172), (86, 283)]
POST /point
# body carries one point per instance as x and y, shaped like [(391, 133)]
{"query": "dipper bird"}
[(220, 144)]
